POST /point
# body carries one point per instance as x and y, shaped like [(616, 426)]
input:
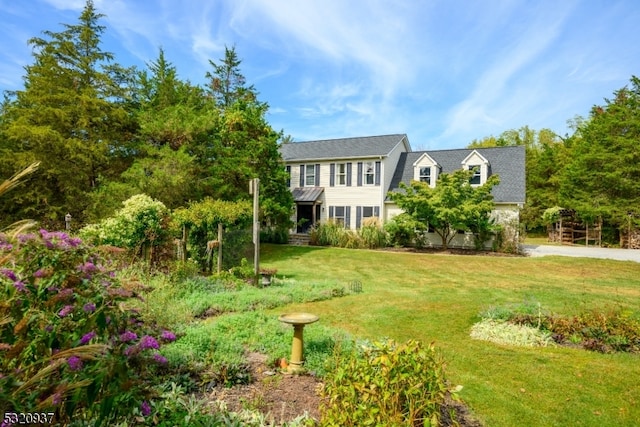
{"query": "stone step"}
[(298, 239)]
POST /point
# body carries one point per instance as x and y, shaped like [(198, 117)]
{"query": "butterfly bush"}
[(68, 344)]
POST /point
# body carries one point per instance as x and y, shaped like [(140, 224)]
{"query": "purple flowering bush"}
[(68, 344)]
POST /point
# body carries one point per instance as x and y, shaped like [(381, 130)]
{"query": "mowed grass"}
[(437, 298)]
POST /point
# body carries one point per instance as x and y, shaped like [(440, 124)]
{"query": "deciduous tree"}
[(453, 204)]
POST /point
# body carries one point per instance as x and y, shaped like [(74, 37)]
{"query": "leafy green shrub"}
[(402, 230), (67, 344), (139, 226), (387, 384)]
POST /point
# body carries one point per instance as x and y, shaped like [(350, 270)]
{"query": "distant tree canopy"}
[(602, 176), (104, 133), (594, 171)]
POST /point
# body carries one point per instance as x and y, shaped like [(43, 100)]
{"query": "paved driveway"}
[(582, 251)]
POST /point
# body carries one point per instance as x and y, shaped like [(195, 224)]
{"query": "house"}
[(348, 179)]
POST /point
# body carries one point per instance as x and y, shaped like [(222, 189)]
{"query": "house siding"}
[(341, 195), (398, 164)]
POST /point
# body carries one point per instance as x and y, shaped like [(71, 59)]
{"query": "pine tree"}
[(71, 116)]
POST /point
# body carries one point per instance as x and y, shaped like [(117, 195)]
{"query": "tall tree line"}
[(593, 171), (104, 132)]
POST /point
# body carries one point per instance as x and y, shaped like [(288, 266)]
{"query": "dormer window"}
[(476, 178), (479, 165), (425, 174), (425, 169)]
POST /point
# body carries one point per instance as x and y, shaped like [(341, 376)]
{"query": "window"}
[(369, 173), (339, 215), (310, 175), (476, 177), (288, 176), (341, 174), (425, 174), (364, 212)]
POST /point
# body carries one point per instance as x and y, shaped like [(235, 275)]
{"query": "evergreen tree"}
[(71, 116), (602, 178), (227, 84)]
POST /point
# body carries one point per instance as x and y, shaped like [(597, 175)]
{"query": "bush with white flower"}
[(142, 222)]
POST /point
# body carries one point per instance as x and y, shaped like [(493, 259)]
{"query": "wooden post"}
[(219, 247), (254, 188)]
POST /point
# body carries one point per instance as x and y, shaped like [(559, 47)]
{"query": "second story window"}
[(425, 174), (310, 175), (341, 174), (369, 173)]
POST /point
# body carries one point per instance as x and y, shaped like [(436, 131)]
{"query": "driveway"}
[(584, 252)]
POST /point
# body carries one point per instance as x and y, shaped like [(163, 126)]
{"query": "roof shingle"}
[(361, 147), (506, 162)]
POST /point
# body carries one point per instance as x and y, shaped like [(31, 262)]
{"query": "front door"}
[(305, 218)]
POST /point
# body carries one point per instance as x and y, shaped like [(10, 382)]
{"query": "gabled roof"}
[(344, 148), (506, 162)]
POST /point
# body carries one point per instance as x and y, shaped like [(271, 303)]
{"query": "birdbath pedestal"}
[(298, 320)]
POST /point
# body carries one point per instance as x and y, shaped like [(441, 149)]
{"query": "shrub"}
[(401, 230), (501, 332), (372, 234), (605, 331), (326, 234), (386, 384), (139, 226), (67, 345)]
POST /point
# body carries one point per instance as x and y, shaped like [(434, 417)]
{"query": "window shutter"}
[(347, 217), (377, 173), (317, 183), (348, 174), (331, 212), (288, 176), (301, 175), (358, 216), (376, 211), (359, 174), (332, 175)]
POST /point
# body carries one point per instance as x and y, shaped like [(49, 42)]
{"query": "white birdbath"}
[(298, 320)]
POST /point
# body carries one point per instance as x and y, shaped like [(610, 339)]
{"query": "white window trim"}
[(372, 174), (307, 181), (476, 159), (339, 175)]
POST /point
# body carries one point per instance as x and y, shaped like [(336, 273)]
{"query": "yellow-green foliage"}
[(388, 384)]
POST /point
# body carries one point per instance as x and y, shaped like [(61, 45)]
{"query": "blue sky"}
[(443, 72)]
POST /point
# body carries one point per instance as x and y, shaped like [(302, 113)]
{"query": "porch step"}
[(299, 239)]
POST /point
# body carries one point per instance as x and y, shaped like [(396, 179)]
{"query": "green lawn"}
[(437, 297)]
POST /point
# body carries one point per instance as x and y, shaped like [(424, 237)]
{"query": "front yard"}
[(432, 297)]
